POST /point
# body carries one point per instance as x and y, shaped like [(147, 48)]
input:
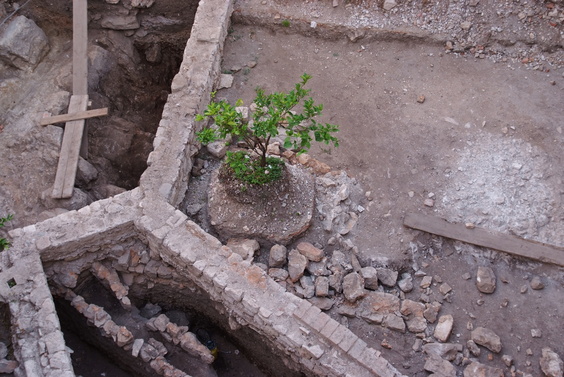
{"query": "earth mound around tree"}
[(272, 213)]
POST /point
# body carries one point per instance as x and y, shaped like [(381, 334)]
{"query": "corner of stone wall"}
[(299, 330)]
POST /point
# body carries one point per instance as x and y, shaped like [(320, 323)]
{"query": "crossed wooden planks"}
[(68, 158), (487, 238)]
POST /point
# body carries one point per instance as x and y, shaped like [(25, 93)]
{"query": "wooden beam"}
[(487, 238), (74, 116), (68, 157), (79, 47)]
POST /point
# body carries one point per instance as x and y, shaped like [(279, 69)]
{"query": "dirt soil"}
[(481, 138)]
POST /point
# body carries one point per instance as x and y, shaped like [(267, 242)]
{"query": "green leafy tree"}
[(4, 243), (294, 111)]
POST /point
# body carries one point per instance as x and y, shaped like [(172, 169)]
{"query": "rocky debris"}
[(475, 369), (507, 360), (426, 282), (439, 366), (487, 338), (370, 276), (306, 289), (120, 22), (389, 4), (23, 44), (551, 363), (150, 310), (485, 280), (311, 252), (406, 283), (536, 283), (353, 287), (387, 276), (225, 81), (338, 198), (142, 3), (278, 274), (322, 286), (473, 348), (432, 311), (8, 366), (447, 351), (412, 308), (296, 265), (218, 149), (443, 328), (245, 247), (86, 173), (278, 256)]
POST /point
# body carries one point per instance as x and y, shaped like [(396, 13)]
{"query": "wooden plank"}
[(68, 158), (74, 116), (79, 47), (487, 238)]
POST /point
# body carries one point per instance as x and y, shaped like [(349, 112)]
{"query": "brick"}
[(338, 335), (348, 340), (358, 347), (314, 351), (311, 315), (319, 321), (368, 356), (303, 307), (233, 294), (329, 328), (221, 279)]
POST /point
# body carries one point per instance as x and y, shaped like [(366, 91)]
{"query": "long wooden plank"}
[(74, 116), (487, 238), (68, 158), (79, 47)]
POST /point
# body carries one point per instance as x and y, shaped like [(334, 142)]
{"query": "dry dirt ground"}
[(485, 145)]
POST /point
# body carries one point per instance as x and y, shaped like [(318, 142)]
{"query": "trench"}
[(241, 352), (130, 73)]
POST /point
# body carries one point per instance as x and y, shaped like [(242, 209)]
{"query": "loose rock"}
[(296, 265), (551, 364), (353, 287), (443, 328), (439, 366), (370, 276), (536, 283), (387, 277), (487, 338), (278, 256), (480, 370), (446, 351), (244, 247), (406, 283), (485, 280), (310, 252)]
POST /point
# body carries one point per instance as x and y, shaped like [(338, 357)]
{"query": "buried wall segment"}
[(178, 252)]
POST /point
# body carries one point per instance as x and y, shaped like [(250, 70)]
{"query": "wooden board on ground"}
[(487, 238), (74, 116), (70, 148)]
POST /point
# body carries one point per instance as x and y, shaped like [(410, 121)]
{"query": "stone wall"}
[(178, 250)]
